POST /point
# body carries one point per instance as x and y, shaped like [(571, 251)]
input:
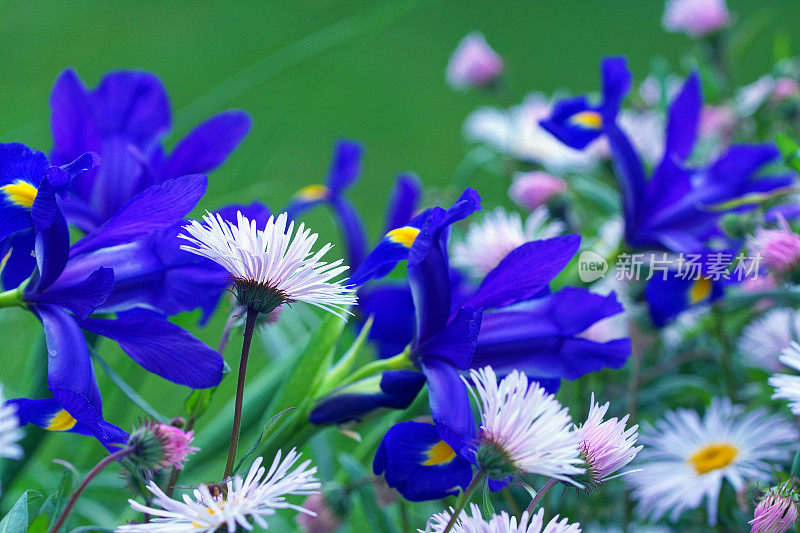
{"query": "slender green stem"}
[(726, 354), (400, 361), (12, 298), (464, 498), (249, 328), (119, 454), (539, 495)]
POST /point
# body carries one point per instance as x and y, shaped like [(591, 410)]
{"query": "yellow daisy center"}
[(712, 457)]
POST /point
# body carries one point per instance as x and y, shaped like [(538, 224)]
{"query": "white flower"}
[(686, 457), (10, 433), (271, 267), (764, 339), (517, 132), (606, 446), (252, 498), (488, 242), (523, 429), (500, 523), (787, 386)]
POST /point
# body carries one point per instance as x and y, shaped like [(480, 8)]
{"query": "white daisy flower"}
[(499, 523), (606, 445), (10, 433), (686, 457), (764, 339), (255, 497), (273, 266), (787, 386), (517, 132), (497, 234), (524, 430)]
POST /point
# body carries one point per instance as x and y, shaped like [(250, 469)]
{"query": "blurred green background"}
[(309, 72)]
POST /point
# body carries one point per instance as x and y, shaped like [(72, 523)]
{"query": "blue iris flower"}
[(72, 282), (673, 209), (124, 120)]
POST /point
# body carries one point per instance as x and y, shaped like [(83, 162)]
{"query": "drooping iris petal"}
[(208, 145), (395, 389), (450, 404), (51, 236), (419, 464), (669, 297), (82, 297), (16, 255), (70, 376), (393, 248), (164, 349), (48, 414), (21, 172), (456, 342), (574, 122), (154, 209), (525, 272), (544, 338)]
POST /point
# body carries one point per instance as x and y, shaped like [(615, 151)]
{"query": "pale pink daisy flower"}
[(272, 266), (252, 498), (777, 510), (533, 189), (765, 338), (503, 522), (787, 386), (779, 247), (473, 63), (606, 446), (696, 17), (523, 430)]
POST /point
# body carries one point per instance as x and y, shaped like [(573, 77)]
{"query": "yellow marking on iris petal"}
[(61, 421), (405, 235), (313, 192), (712, 457), (20, 192), (591, 120), (700, 290), (439, 453)]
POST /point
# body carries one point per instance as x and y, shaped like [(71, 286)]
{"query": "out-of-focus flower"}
[(752, 96), (273, 266), (211, 507), (686, 458), (787, 386), (499, 523), (517, 132), (645, 129), (473, 63), (533, 189), (695, 17), (655, 90), (717, 122), (523, 429), (489, 241), (320, 518), (606, 446), (785, 88), (779, 247), (765, 338), (776, 512), (10, 432)]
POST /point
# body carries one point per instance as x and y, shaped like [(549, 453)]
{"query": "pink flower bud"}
[(785, 88), (779, 247), (776, 512), (532, 189), (474, 63), (176, 443), (695, 17)]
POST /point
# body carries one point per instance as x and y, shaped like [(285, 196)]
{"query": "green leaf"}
[(128, 391), (751, 199), (56, 502), (39, 525), (265, 431), (345, 365), (19, 517), (789, 149), (487, 498), (198, 401)]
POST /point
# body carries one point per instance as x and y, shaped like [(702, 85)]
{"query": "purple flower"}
[(473, 63)]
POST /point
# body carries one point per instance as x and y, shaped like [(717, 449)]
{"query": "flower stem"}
[(12, 298), (119, 454), (400, 361), (464, 498), (249, 327), (539, 495)]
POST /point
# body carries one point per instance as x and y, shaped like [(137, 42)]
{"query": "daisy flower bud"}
[(777, 510), (272, 266), (524, 430), (159, 446), (473, 63), (605, 446), (696, 17), (532, 189), (780, 247)]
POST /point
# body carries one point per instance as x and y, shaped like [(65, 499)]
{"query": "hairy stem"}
[(85, 483), (539, 495), (249, 327)]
